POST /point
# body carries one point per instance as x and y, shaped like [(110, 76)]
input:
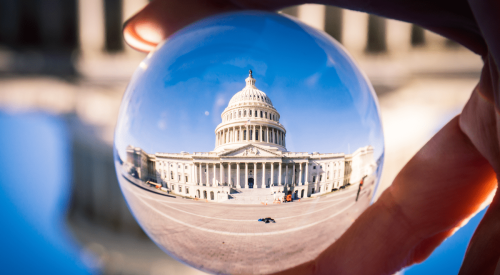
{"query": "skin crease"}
[(443, 184)]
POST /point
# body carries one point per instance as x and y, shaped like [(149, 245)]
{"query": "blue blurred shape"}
[(34, 191)]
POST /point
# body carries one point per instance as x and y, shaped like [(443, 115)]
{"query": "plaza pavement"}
[(229, 239)]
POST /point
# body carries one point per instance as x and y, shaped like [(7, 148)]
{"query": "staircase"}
[(252, 196)]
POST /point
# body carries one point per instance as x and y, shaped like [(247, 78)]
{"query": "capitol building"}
[(250, 163)]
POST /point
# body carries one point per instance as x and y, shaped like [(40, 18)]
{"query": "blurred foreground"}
[(77, 71)]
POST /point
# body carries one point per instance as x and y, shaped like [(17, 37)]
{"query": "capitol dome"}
[(249, 94), (250, 118)]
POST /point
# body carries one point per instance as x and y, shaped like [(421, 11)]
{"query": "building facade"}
[(250, 162)]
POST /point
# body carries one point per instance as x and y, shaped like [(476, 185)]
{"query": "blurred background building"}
[(68, 58)]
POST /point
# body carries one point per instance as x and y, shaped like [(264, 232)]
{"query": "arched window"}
[(249, 112), (244, 134), (256, 113)]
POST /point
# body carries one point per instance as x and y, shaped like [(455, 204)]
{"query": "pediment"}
[(250, 151)]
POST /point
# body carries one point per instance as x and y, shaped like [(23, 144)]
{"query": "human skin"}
[(443, 184)]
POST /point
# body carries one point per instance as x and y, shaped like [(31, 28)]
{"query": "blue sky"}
[(325, 103)]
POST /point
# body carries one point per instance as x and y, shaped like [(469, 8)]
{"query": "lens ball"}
[(248, 142)]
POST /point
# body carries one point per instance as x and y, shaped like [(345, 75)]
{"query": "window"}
[(185, 167), (314, 179), (260, 113), (205, 170), (239, 113), (266, 114), (251, 134), (187, 179), (172, 175), (180, 189), (245, 113), (244, 134), (255, 113), (179, 177), (256, 134), (187, 190), (328, 175), (314, 167), (250, 113), (320, 177), (321, 166)]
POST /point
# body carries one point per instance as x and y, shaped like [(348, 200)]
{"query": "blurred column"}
[(398, 36), (354, 31), (91, 26), (434, 40), (313, 15), (417, 36), (376, 41), (333, 22)]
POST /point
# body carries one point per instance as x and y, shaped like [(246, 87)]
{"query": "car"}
[(342, 187), (335, 189)]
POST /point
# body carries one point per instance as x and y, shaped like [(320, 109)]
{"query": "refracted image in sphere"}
[(248, 143)]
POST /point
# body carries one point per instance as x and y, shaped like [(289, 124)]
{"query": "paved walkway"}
[(227, 238)]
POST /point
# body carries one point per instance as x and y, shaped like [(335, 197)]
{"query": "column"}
[(263, 175), (300, 174), (267, 134), (215, 175), (272, 173), (221, 173), (176, 177), (286, 173), (207, 183), (234, 134), (229, 173), (261, 134), (255, 175), (279, 174), (200, 180), (307, 172), (246, 175), (183, 177), (293, 174), (168, 171), (91, 27), (238, 175)]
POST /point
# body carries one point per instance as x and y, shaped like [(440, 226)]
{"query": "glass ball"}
[(248, 142)]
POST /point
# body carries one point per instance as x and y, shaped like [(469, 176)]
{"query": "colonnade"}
[(223, 174), (250, 133)]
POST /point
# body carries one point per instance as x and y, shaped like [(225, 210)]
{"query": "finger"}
[(160, 19), (443, 184), (481, 122)]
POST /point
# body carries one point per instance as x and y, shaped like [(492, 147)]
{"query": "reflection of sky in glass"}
[(175, 99)]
